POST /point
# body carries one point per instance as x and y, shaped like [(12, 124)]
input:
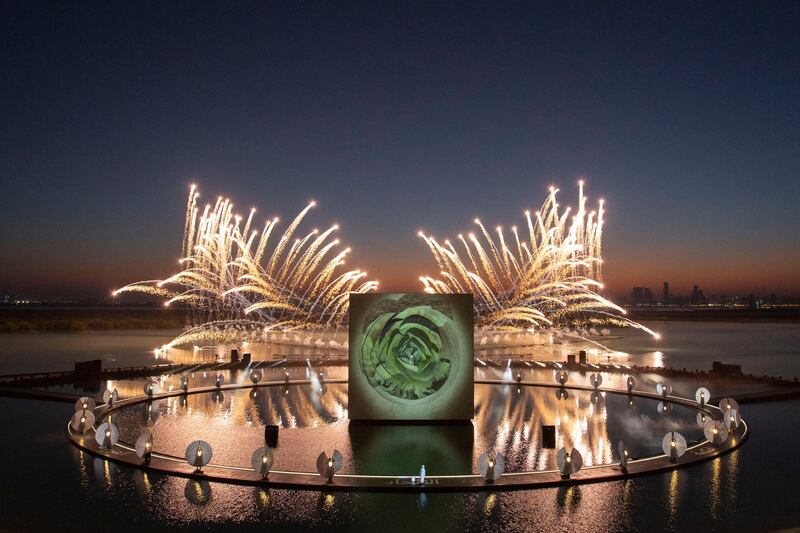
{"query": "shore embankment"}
[(23, 319)]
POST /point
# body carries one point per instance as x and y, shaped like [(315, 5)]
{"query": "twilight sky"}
[(397, 117)]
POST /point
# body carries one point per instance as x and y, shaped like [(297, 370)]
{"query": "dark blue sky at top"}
[(396, 117)]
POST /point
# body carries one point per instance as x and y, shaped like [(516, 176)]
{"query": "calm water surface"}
[(761, 348), (50, 485)]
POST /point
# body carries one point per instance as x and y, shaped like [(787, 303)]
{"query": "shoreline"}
[(44, 319)]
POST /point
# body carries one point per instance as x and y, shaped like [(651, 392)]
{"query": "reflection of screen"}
[(410, 357)]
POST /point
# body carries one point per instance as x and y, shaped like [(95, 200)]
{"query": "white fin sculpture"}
[(110, 396), (198, 454), (726, 404), (262, 460), (144, 446), (715, 431), (107, 435), (328, 466), (663, 389), (732, 419), (150, 388), (702, 395), (82, 421), (85, 403), (623, 456), (569, 463), (673, 445), (491, 468)]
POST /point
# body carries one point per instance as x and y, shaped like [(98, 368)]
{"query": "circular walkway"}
[(124, 453)]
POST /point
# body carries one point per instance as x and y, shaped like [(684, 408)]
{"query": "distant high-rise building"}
[(641, 295), (665, 294), (697, 297)]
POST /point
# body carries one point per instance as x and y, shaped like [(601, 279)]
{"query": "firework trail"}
[(547, 279), (237, 286)]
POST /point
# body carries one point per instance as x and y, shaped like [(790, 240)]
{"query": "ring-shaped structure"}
[(244, 475)]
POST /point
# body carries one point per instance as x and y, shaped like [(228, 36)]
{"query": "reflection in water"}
[(507, 422), (714, 492), (568, 498), (262, 497), (488, 505), (422, 500), (169, 500), (197, 491), (731, 478), (326, 501), (672, 499)]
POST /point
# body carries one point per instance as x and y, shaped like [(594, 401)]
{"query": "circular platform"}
[(518, 474)]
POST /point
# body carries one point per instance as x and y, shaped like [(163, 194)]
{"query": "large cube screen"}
[(410, 357)]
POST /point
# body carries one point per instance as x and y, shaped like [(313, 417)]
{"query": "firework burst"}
[(546, 276), (239, 283)]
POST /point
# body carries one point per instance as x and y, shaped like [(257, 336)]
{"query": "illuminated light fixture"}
[(328, 466), (85, 403), (185, 383), (726, 404), (732, 419), (491, 467), (150, 387), (596, 380), (702, 395), (82, 421), (144, 446), (198, 454), (262, 460), (631, 383), (110, 396), (715, 431), (673, 445), (663, 389), (107, 435), (569, 463), (255, 376), (219, 381), (623, 456)]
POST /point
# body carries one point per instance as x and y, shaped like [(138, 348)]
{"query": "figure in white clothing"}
[(422, 475)]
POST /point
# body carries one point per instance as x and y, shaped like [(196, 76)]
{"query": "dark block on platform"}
[(271, 436), (94, 366), (247, 359), (234, 356), (549, 437), (724, 369), (582, 357)]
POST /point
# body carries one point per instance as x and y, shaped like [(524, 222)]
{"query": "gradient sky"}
[(396, 117)]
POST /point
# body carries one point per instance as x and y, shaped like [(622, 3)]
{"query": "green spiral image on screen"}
[(406, 354)]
